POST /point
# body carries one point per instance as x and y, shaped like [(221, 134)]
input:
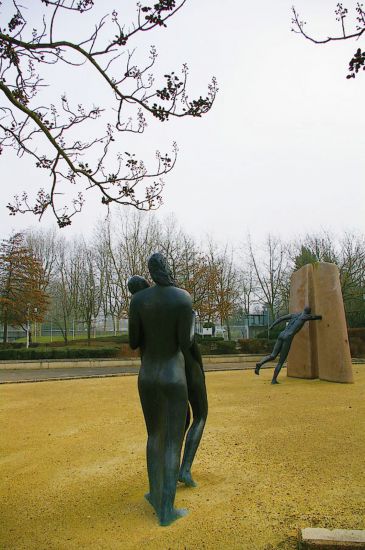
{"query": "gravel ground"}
[(272, 459)]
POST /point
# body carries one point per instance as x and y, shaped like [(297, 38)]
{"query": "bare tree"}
[(247, 286), (88, 289), (193, 273), (33, 40), (224, 282), (347, 252), (112, 283), (44, 245), (352, 267), (270, 267), (64, 286)]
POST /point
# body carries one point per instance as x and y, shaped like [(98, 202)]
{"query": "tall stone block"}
[(334, 358), (321, 348), (302, 358)]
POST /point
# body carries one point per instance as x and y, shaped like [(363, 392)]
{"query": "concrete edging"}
[(89, 363), (330, 539), (112, 362)]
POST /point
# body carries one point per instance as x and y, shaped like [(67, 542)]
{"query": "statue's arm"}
[(281, 320), (195, 352), (192, 328), (315, 317), (134, 326), (185, 330)]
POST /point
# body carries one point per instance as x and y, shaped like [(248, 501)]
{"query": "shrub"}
[(199, 338), (217, 346), (8, 354), (274, 333), (255, 345), (126, 351), (57, 353), (357, 341), (12, 345), (226, 347), (94, 342)]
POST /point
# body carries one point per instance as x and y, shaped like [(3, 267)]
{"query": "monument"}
[(161, 325), (320, 350)]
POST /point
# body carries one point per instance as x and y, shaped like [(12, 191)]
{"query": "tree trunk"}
[(64, 330), (5, 333), (88, 332)]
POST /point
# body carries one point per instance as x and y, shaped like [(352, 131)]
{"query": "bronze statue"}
[(285, 338), (197, 395), (160, 324)]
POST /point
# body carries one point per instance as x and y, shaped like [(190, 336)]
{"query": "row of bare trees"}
[(86, 279)]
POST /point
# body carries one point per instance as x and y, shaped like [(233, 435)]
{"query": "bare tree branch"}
[(357, 62), (29, 128)]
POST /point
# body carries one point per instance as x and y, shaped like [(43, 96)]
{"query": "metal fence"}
[(49, 331)]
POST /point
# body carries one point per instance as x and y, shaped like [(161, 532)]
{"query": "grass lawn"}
[(272, 459)]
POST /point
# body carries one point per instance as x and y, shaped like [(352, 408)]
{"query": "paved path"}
[(40, 375), (11, 376)]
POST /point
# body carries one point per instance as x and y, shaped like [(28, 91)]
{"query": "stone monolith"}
[(320, 349), (302, 358), (333, 350)]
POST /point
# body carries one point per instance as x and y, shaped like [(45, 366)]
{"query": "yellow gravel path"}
[(272, 459)]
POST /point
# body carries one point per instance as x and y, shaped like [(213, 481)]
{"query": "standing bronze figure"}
[(285, 338), (160, 324), (197, 395)]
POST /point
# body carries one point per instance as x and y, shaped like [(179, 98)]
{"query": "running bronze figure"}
[(285, 338)]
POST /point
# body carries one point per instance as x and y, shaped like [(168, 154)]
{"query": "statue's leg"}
[(175, 406), (188, 419), (149, 395), (199, 404), (283, 355), (271, 357)]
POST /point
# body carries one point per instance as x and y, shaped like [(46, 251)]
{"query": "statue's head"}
[(307, 310), (159, 270), (137, 283)]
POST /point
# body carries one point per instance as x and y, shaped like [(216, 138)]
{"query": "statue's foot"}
[(257, 369), (274, 381), (149, 499), (176, 513), (185, 477)]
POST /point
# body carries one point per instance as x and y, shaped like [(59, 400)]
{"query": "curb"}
[(114, 375)]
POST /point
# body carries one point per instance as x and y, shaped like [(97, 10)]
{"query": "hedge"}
[(226, 346), (258, 345), (12, 345), (207, 338), (357, 341), (255, 345), (57, 353)]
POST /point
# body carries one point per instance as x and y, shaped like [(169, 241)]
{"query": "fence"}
[(49, 331)]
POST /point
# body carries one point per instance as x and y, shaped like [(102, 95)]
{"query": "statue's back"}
[(165, 315)]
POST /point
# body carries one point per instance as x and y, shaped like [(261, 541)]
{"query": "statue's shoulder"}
[(140, 296), (182, 294)]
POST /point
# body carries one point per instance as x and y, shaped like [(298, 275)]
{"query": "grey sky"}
[(282, 149)]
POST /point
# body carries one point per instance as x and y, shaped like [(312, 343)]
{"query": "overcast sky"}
[(281, 151)]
